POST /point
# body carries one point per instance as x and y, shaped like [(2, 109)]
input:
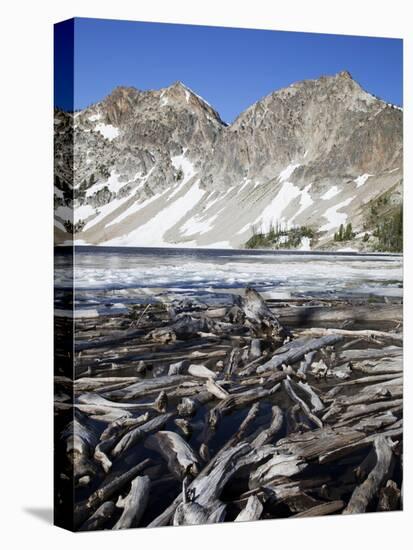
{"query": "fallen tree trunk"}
[(252, 511), (137, 434), (134, 504), (297, 353), (181, 459), (364, 493)]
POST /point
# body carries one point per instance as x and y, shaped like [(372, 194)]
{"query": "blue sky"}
[(230, 68)]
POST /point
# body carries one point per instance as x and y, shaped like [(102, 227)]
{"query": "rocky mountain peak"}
[(160, 167)]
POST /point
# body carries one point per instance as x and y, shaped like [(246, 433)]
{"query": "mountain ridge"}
[(140, 153)]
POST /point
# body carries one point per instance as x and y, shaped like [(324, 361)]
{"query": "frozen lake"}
[(108, 279)]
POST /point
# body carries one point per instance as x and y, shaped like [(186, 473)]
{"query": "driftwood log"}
[(194, 413)]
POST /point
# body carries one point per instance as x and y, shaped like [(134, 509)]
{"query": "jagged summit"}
[(159, 167)]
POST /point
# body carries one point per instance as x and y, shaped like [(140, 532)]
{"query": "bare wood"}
[(323, 509), (252, 511), (134, 504), (303, 405), (389, 498), (364, 493), (140, 432), (180, 457), (264, 436), (364, 334), (98, 519), (295, 354), (107, 489)]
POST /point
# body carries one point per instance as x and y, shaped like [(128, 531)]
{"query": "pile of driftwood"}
[(191, 414)]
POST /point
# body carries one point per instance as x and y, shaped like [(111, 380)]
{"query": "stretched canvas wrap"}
[(228, 274)]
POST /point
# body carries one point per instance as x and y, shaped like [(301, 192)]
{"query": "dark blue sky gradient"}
[(230, 68)]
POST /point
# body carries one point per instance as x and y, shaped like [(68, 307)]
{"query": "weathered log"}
[(316, 404), (323, 509), (255, 349), (365, 492), (102, 450), (87, 384), (147, 387), (360, 334), (240, 433), (265, 436), (103, 414), (371, 353), (234, 401), (252, 511), (200, 371), (180, 457), (110, 486), (134, 504), (281, 465), (187, 407), (184, 426), (99, 518), (218, 391), (260, 318), (96, 399), (306, 363), (80, 442), (303, 405), (389, 497), (306, 315), (161, 402), (120, 426), (296, 353), (387, 365), (140, 432), (355, 411)]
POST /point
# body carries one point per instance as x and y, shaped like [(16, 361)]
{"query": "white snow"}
[(272, 213), (361, 180), (152, 232), (335, 218), (135, 207), (332, 192), (197, 225), (105, 210), (347, 249), (94, 118), (245, 228), (180, 162), (305, 243), (198, 96), (305, 201), (82, 212), (107, 130), (286, 173)]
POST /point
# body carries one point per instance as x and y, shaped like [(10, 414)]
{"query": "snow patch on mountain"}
[(107, 130), (361, 180), (305, 201), (335, 218), (287, 172), (152, 233), (272, 214), (332, 192)]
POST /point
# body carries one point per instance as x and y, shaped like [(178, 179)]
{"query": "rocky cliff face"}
[(160, 168)]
